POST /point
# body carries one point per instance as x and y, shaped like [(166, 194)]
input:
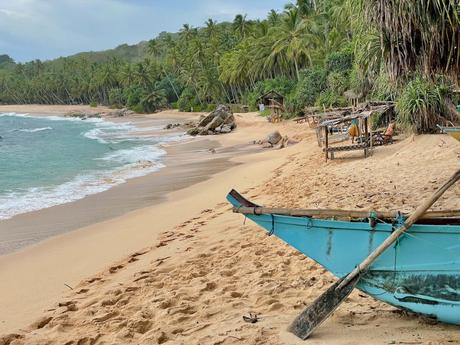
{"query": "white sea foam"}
[(34, 130), (14, 114), (137, 154), (95, 134), (53, 117), (109, 132)]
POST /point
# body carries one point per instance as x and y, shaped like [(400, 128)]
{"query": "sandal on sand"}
[(252, 318)]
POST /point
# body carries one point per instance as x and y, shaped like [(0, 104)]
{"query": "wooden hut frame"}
[(274, 101), (366, 144)]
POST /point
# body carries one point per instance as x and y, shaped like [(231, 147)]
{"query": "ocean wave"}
[(134, 155), (33, 130), (95, 134), (54, 117), (115, 133), (37, 198), (14, 114)]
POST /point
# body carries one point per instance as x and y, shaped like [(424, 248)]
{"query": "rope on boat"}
[(272, 231)]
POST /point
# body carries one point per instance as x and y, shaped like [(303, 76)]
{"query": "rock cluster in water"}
[(220, 121)]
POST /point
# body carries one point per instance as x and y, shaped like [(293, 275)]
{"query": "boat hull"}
[(452, 131), (455, 135), (420, 272)]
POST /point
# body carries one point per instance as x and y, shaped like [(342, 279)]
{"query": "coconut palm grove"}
[(314, 52)]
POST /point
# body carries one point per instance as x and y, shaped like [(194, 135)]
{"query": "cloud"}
[(45, 29)]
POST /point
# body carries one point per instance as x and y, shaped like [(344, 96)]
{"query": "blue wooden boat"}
[(454, 132), (419, 273)]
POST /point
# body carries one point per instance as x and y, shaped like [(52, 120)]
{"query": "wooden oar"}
[(329, 301)]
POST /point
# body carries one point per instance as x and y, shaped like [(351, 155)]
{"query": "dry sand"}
[(185, 271)]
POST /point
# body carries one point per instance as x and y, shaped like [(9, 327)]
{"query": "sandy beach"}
[(181, 268)]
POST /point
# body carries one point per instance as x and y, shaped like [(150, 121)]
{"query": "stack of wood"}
[(315, 115)]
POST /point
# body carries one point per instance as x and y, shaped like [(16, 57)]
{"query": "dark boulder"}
[(274, 138)]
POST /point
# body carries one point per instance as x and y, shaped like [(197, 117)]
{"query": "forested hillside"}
[(313, 51)]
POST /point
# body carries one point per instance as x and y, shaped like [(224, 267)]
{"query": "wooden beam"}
[(332, 213)]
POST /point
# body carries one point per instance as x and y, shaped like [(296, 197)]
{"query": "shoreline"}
[(22, 230), (183, 166), (184, 271)]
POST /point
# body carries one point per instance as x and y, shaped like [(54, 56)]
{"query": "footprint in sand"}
[(187, 310), (132, 288), (66, 304), (86, 341), (10, 338), (110, 301), (227, 273), (140, 253), (166, 304), (162, 338), (106, 316), (236, 294), (114, 269), (39, 323), (210, 286), (145, 277), (140, 326), (95, 279)]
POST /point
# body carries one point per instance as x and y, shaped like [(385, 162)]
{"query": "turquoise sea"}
[(46, 161)]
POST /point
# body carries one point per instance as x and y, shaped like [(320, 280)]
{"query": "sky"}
[(46, 29)]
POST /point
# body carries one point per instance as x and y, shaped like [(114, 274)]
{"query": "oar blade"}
[(320, 309)]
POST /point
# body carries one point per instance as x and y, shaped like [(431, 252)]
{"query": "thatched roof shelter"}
[(271, 97)]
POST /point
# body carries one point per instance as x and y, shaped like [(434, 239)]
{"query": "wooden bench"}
[(333, 149), (301, 119)]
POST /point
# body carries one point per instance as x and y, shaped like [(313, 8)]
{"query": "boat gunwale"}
[(330, 224), (447, 228)]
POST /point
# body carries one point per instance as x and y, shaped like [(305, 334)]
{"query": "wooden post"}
[(326, 141), (371, 142), (366, 131)]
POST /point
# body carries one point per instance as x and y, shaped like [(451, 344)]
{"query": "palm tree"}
[(415, 35), (211, 27), (273, 18), (293, 40), (153, 48), (241, 26)]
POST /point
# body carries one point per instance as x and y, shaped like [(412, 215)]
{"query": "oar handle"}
[(419, 212)]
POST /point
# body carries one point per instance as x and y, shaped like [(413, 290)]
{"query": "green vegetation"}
[(315, 52), (419, 103)]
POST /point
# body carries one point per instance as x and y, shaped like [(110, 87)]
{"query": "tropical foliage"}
[(313, 51)]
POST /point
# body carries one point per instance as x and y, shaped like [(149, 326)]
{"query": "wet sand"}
[(186, 164)]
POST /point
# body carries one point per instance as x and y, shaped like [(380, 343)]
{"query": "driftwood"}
[(331, 213)]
